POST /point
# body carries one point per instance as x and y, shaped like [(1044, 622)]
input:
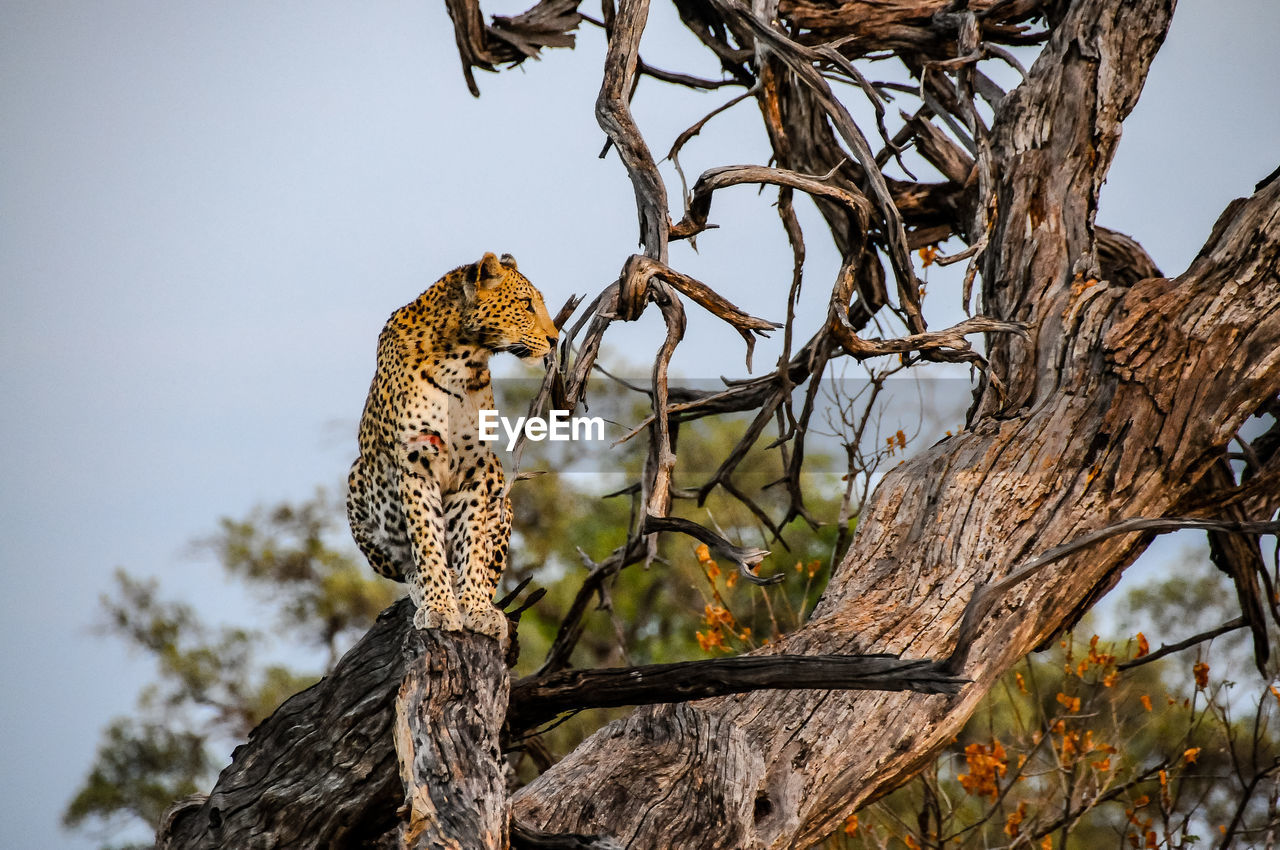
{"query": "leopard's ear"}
[(485, 274)]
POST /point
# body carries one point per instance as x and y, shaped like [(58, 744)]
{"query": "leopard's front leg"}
[(430, 581), (479, 523)]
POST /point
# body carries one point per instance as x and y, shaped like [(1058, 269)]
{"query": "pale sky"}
[(207, 211)]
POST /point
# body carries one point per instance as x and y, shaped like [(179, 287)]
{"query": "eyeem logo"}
[(558, 426)]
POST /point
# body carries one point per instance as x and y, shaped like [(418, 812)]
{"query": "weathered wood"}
[(434, 703), (967, 512), (448, 712), (320, 771), (1119, 404), (540, 698), (1124, 396)]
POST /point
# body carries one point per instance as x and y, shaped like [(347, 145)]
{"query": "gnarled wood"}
[(436, 702), (967, 512), (318, 772), (1117, 403), (446, 740), (1124, 438)]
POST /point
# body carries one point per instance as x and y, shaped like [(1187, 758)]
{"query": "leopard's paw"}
[(487, 620), (430, 618)]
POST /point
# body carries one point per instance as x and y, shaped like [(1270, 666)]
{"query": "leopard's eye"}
[(529, 303)]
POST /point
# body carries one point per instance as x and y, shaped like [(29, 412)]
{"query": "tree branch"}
[(1170, 649), (537, 699)]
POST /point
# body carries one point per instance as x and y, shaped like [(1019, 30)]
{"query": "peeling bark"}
[(446, 741)]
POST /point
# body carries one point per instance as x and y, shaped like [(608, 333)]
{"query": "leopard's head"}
[(504, 312)]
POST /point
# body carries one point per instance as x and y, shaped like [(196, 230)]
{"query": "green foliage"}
[(214, 683), (141, 768), (290, 554)]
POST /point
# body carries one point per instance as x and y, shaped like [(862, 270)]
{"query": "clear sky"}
[(207, 210)]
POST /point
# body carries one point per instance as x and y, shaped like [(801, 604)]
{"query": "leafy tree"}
[(214, 683)]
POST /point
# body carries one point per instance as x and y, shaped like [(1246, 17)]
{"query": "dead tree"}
[(1109, 400)]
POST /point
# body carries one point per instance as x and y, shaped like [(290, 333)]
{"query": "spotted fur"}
[(425, 497)]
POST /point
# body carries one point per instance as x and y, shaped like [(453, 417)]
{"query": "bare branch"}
[(747, 558), (1170, 649), (537, 699), (983, 598)]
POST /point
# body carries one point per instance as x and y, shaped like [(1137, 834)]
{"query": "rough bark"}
[(446, 740), (1116, 399), (436, 703), (1157, 380), (1126, 393), (320, 771)]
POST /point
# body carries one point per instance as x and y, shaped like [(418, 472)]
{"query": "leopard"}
[(426, 498)]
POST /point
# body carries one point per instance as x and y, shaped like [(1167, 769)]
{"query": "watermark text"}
[(558, 426)]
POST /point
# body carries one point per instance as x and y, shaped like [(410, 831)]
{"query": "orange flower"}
[(1146, 702), (703, 553), (986, 766), (1201, 672), (927, 255), (1072, 704), (1143, 646), (1014, 821), (1104, 765), (851, 825), (1070, 745), (1191, 755), (1022, 686), (717, 615), (712, 640)]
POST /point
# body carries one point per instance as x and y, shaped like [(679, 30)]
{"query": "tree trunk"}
[(1159, 377), (448, 713), (1118, 403), (1121, 400), (319, 771)]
